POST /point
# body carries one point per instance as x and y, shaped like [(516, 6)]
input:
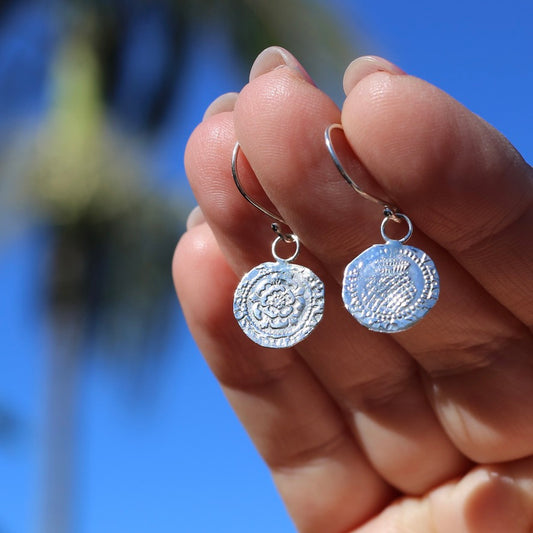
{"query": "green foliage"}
[(113, 232)]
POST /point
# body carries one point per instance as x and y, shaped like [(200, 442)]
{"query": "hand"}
[(426, 430)]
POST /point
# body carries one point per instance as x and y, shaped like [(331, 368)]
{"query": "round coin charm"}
[(389, 287), (278, 304)]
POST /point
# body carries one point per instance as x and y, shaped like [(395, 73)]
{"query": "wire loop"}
[(277, 240), (287, 237), (389, 210), (400, 216)]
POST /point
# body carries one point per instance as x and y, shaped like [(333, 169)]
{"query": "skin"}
[(428, 430)]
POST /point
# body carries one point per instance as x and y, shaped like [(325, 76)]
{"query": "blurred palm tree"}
[(118, 67), (308, 28), (111, 237)]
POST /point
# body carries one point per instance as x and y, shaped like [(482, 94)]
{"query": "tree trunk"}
[(60, 422)]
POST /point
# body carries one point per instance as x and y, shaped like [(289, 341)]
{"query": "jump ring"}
[(406, 237), (277, 240)]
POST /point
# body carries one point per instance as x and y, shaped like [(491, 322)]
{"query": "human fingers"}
[(362, 67), (373, 380), (225, 102), (495, 498), (275, 57), (281, 133), (222, 104), (325, 481), (462, 184), (195, 218), (457, 176)]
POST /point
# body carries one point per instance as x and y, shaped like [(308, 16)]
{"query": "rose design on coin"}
[(278, 304), (389, 287)]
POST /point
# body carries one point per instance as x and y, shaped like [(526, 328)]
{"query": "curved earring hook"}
[(389, 209), (287, 237)]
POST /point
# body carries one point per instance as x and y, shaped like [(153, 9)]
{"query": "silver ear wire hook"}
[(277, 304), (388, 210), (287, 237), (391, 286)]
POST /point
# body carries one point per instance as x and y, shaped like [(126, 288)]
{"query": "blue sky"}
[(176, 459)]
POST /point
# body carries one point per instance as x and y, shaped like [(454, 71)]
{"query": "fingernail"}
[(273, 58), (195, 218), (363, 66), (225, 102)]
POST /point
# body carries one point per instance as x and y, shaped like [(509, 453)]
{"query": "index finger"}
[(477, 190)]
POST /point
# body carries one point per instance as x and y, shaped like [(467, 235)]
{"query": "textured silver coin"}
[(278, 304), (389, 287)]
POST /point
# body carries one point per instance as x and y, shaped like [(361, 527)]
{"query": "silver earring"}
[(388, 287), (277, 304)]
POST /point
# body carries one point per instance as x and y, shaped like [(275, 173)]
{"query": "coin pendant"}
[(389, 287), (277, 304)]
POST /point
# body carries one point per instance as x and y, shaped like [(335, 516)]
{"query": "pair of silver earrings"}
[(387, 288)]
